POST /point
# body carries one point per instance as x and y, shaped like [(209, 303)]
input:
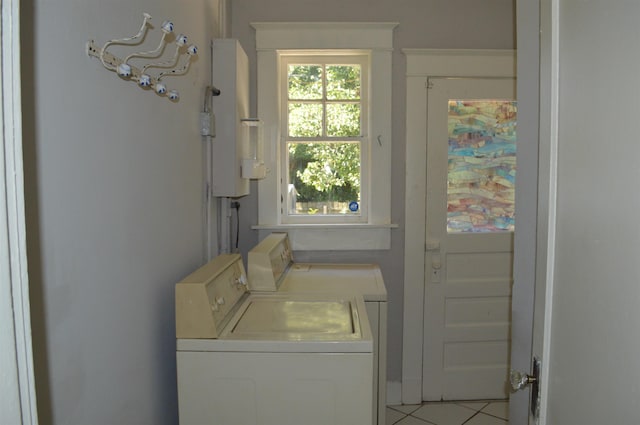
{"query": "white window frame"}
[(274, 38), (325, 57)]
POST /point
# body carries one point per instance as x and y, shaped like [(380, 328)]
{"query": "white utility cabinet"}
[(230, 74)]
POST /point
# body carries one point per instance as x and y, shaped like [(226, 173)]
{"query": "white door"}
[(587, 294), (469, 237)]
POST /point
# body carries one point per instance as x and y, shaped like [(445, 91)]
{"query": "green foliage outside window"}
[(325, 171), (305, 120), (343, 82), (324, 103)]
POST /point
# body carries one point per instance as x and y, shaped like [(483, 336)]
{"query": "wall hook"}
[(127, 71), (191, 52), (167, 28), (124, 41), (181, 40)]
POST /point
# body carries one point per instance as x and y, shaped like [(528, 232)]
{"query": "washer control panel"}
[(268, 261), (207, 297)]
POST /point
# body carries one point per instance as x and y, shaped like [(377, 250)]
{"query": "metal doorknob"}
[(520, 380)]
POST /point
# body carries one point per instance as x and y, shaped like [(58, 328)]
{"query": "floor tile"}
[(498, 408), (444, 413), (482, 419), (475, 405), (393, 416), (406, 408), (410, 420)]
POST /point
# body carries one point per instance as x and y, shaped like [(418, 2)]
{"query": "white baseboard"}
[(394, 392), (411, 390)]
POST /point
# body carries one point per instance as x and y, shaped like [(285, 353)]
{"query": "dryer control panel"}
[(268, 262), (206, 299)]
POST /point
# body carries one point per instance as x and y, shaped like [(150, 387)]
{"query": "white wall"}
[(114, 210), (423, 24), (594, 376)]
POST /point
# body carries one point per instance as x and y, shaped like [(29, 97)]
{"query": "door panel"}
[(470, 171)]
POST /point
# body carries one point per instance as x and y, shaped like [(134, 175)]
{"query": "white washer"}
[(269, 359), (271, 268)]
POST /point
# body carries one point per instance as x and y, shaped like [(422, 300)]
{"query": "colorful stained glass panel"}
[(482, 166)]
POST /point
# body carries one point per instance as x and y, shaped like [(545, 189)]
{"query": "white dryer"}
[(269, 359), (271, 268)]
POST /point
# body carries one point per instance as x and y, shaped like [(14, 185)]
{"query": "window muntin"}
[(324, 148)]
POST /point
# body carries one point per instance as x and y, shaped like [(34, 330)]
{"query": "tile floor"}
[(490, 412)]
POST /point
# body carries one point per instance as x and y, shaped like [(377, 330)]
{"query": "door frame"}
[(546, 55), (421, 65), (18, 404)]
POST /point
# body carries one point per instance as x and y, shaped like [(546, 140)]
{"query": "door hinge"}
[(429, 84)]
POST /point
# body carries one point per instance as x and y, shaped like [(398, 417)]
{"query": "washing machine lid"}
[(283, 318), (363, 279), (293, 323)]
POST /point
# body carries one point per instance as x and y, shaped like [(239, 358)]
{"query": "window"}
[(324, 95), (324, 146)]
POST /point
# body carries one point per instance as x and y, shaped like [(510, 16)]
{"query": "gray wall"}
[(595, 293), (463, 24), (114, 210)]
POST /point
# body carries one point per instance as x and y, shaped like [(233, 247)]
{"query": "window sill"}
[(332, 237)]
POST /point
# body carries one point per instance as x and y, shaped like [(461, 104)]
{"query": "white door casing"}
[(468, 275), (530, 231), (422, 64), (541, 93), (17, 386)]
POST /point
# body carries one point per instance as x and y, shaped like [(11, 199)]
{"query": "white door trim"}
[(422, 64), (17, 385), (547, 194)]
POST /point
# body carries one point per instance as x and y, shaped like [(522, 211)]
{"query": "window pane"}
[(482, 166), (343, 119), (324, 178), (305, 82), (305, 119), (343, 82)]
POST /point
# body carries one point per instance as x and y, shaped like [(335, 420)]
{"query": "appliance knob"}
[(241, 281)]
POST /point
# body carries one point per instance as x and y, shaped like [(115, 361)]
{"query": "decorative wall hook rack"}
[(174, 66)]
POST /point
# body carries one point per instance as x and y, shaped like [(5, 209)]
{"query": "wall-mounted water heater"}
[(237, 146)]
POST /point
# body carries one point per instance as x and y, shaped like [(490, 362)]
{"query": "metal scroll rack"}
[(143, 75)]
